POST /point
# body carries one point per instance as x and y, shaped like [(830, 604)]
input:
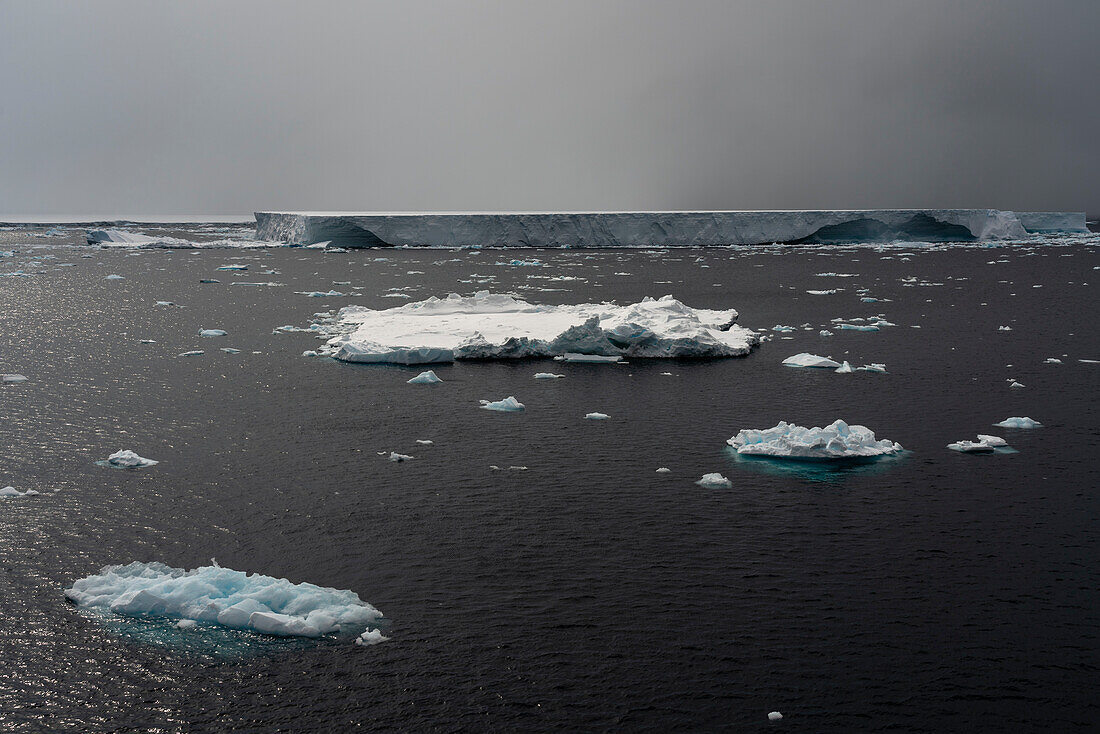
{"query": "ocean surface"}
[(931, 592)]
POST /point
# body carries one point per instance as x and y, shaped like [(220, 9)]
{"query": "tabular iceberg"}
[(497, 326), (837, 440), (221, 596)]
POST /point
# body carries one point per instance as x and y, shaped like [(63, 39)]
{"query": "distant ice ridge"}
[(221, 596), (837, 440), (498, 326)]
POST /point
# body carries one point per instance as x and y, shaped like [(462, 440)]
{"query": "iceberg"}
[(126, 459), (837, 440), (655, 229), (113, 276), (232, 267), (192, 353), (714, 480), (844, 369), (663, 470), (11, 378), (873, 367), (774, 716), (507, 405), (1018, 422), (394, 456), (547, 376), (117, 236), (10, 491), (984, 445), (597, 416), (212, 332), (498, 326), (212, 595), (804, 359), (425, 378), (370, 637)]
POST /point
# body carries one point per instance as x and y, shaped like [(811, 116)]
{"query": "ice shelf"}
[(652, 229)]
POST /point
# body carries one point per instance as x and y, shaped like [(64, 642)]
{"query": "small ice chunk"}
[(828, 292), (859, 327), (148, 341), (232, 267), (873, 367), (212, 332), (715, 480), (597, 416), (370, 637), (838, 440), (321, 294), (547, 376), (425, 378), (10, 491), (984, 445), (804, 359), (425, 441), (209, 280), (112, 276), (12, 378), (394, 456), (1004, 328), (1016, 384), (775, 716), (1052, 360), (192, 353), (844, 369), (663, 470), (1019, 422), (311, 353), (507, 405), (825, 332), (186, 624), (231, 350), (127, 459), (782, 329)]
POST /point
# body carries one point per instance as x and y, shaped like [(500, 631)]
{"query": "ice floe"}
[(10, 491), (425, 378), (212, 332), (805, 359), (507, 405), (192, 353), (127, 459), (371, 636), (1019, 422), (498, 326), (321, 294), (394, 456), (118, 236), (12, 378), (844, 369), (597, 416), (774, 716), (663, 470), (715, 480), (212, 595), (547, 376), (984, 445), (838, 440), (113, 276)]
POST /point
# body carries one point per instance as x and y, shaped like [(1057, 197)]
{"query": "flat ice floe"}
[(984, 445), (837, 440), (212, 595), (498, 326), (12, 378), (714, 480), (10, 491), (805, 359), (1019, 422)]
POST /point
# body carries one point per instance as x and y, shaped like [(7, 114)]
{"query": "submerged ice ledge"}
[(498, 326), (650, 229)]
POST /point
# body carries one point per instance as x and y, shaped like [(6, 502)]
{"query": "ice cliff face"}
[(496, 326), (654, 229)]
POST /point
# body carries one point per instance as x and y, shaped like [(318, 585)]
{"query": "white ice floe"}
[(12, 378), (507, 405), (547, 376), (597, 416), (828, 292), (984, 445), (782, 329), (10, 491), (321, 294), (498, 326), (805, 359), (1018, 422), (1014, 383), (837, 440), (844, 369), (1052, 360), (212, 595), (825, 332), (1004, 328), (394, 456), (774, 716), (425, 441), (231, 350), (663, 470), (370, 637), (192, 353), (425, 378), (233, 267), (715, 480), (118, 236), (126, 459), (212, 332), (857, 327), (168, 303), (873, 367), (113, 276)]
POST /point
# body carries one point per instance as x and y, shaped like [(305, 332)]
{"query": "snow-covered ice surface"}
[(1019, 422), (127, 459), (426, 378), (507, 405), (216, 596), (838, 440), (714, 480), (499, 326), (984, 445), (804, 359)]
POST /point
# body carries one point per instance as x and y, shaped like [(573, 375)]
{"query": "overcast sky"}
[(229, 107)]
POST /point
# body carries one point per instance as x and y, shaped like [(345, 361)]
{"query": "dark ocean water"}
[(934, 592)]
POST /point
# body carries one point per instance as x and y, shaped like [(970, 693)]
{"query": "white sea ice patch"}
[(233, 267), (507, 405), (597, 416), (774, 716), (213, 595), (113, 276), (805, 359), (873, 367), (497, 326), (547, 376), (12, 378), (10, 491), (394, 456), (1052, 360), (192, 353), (118, 236), (663, 470), (212, 332), (828, 292), (984, 445), (714, 480), (844, 369), (1019, 422), (321, 294), (837, 440), (370, 637), (127, 459), (425, 378)]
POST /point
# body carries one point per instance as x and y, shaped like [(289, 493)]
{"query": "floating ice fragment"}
[(1089, 361), (507, 405), (1016, 384), (775, 716), (825, 332), (805, 359), (10, 491), (186, 624), (168, 303), (310, 353), (828, 292), (209, 280), (782, 329), (126, 459), (715, 480), (425, 441), (425, 378), (222, 596), (212, 332), (1052, 360), (873, 367), (856, 327), (547, 376), (1018, 422), (837, 440), (12, 378), (192, 353), (371, 636), (114, 277), (394, 456), (320, 294), (597, 416), (1004, 328), (232, 267), (984, 445), (663, 470), (231, 350), (97, 236), (844, 369)]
